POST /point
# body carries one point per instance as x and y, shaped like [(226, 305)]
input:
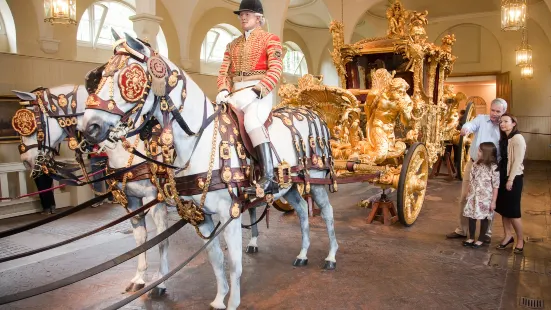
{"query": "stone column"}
[(146, 23)]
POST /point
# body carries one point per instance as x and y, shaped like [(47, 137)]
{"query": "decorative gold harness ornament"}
[(24, 122)]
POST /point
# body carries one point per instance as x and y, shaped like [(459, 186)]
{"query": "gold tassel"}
[(157, 68), (158, 86)]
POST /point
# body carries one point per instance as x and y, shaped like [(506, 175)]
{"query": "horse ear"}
[(134, 44), (25, 96), (116, 36)]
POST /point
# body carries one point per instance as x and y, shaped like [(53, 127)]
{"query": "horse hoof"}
[(157, 292), (134, 287), (330, 265), (299, 262), (251, 249)]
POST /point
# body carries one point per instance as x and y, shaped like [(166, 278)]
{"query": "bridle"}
[(44, 107), (135, 84)]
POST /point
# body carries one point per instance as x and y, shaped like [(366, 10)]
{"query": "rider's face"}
[(248, 20)]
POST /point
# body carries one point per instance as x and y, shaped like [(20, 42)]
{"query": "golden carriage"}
[(392, 113)]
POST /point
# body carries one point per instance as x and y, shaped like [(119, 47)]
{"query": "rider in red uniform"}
[(253, 60)]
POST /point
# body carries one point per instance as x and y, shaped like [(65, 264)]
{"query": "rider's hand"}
[(464, 131), (222, 96)]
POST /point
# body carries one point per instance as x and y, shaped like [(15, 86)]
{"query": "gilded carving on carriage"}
[(451, 115), (391, 114)]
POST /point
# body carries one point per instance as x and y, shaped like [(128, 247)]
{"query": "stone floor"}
[(378, 267)]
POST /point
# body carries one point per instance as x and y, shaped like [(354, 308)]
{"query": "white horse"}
[(98, 124), (138, 192)]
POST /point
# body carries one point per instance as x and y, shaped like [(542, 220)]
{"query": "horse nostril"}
[(27, 165), (93, 129)]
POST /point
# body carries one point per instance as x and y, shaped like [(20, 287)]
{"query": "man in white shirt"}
[(486, 129)]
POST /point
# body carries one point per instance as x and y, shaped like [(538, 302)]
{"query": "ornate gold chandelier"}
[(523, 53), (527, 72), (513, 15), (60, 11)]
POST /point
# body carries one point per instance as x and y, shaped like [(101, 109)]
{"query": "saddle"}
[(239, 117)]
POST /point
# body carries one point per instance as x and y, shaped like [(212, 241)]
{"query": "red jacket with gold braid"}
[(257, 58)]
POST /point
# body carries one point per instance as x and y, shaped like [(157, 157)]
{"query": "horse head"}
[(24, 122), (121, 88), (46, 118)]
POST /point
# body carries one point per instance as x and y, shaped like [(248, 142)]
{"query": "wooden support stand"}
[(447, 158), (383, 209)]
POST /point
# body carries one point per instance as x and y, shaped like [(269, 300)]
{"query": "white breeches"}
[(256, 114)]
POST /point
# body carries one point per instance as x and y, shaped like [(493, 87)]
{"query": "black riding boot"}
[(266, 182)]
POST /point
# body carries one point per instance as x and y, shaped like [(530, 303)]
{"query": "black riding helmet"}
[(250, 5)]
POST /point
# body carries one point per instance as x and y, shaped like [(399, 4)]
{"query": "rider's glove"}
[(222, 96)]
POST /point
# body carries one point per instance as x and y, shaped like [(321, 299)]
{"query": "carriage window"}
[(294, 62), (94, 28), (215, 42)]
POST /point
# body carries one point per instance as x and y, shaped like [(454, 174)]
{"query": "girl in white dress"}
[(482, 195)]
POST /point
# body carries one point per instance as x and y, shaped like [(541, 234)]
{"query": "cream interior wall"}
[(486, 91), (4, 43), (530, 97), (476, 48)]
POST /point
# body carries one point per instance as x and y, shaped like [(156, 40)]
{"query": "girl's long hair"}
[(489, 154)]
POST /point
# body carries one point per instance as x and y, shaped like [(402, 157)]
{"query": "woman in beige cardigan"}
[(512, 148)]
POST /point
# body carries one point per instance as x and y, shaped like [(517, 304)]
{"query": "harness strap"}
[(64, 242), (266, 210), (82, 206), (74, 180), (178, 117), (96, 269)]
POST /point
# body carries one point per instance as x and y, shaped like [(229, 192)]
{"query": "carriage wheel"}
[(412, 184), (463, 157), (283, 206)]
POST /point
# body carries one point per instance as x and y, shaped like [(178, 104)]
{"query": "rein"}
[(64, 242)]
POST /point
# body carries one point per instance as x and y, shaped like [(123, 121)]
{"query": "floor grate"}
[(531, 303)]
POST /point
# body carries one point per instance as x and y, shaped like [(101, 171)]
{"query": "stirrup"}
[(259, 192)]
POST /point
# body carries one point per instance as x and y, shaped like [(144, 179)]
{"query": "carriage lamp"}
[(513, 15), (527, 72), (60, 11), (523, 53)]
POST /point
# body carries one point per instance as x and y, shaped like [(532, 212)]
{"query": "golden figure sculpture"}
[(451, 117), (383, 108), (396, 20)]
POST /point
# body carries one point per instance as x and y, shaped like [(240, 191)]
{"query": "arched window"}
[(215, 42), (4, 43), (7, 29), (294, 62), (94, 29), (214, 46)]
